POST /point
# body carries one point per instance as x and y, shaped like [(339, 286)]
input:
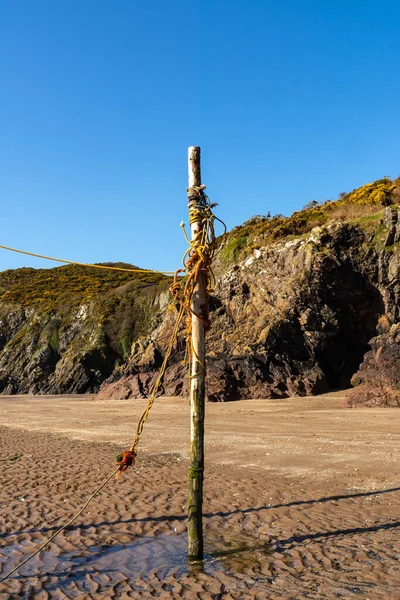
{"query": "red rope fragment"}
[(125, 460)]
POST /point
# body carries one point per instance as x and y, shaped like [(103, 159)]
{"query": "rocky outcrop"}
[(378, 379), (391, 220), (291, 318)]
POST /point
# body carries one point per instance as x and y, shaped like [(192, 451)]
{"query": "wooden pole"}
[(197, 385)]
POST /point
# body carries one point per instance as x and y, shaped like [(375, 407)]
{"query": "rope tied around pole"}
[(198, 258)]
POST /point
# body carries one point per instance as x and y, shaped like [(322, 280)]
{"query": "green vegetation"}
[(126, 343), (368, 221), (231, 250), (71, 285), (362, 206), (53, 334)]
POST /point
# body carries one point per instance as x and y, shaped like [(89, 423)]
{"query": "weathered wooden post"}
[(197, 380)]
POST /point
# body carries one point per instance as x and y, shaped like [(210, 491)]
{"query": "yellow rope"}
[(80, 264), (145, 414)]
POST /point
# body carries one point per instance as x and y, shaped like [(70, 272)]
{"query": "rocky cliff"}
[(296, 303)]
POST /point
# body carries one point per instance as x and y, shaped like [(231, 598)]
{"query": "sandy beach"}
[(302, 500)]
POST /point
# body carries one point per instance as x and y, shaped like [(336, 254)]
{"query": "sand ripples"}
[(264, 538)]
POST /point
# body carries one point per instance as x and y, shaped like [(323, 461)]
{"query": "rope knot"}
[(195, 191), (124, 460), (175, 287)]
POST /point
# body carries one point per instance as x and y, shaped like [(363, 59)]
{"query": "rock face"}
[(378, 379), (291, 318)]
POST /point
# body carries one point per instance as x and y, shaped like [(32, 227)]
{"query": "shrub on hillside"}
[(365, 200)]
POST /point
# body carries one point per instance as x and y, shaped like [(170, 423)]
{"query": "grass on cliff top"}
[(362, 206), (72, 284)]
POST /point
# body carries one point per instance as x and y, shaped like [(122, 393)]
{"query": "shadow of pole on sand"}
[(301, 502), (290, 543)]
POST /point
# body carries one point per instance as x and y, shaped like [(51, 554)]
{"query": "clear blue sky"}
[(290, 100)]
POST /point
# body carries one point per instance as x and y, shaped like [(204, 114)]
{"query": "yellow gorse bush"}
[(363, 200), (67, 285)]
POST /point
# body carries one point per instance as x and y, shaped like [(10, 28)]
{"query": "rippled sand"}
[(316, 531)]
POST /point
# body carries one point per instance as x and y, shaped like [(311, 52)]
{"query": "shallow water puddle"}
[(96, 567)]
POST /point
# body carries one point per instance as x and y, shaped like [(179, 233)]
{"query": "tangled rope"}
[(197, 260)]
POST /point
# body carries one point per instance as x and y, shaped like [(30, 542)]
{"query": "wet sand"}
[(302, 500)]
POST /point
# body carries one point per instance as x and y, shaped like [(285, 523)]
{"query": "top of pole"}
[(194, 166)]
